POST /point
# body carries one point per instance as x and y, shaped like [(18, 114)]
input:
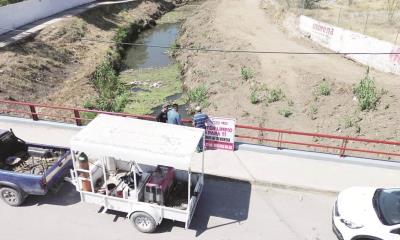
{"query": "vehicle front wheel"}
[(143, 222), (11, 196)]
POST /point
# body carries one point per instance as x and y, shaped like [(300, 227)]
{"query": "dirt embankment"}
[(56, 65), (278, 90)]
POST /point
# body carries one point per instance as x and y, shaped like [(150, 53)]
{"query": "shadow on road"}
[(227, 200), (67, 195)]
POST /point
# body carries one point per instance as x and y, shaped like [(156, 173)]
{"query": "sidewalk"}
[(256, 164), (33, 28), (279, 170)]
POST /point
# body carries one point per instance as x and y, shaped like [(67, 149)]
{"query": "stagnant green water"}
[(147, 58), (151, 57)]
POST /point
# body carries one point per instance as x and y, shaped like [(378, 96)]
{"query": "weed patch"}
[(254, 96), (275, 95), (313, 112), (285, 112), (353, 122), (246, 73), (366, 93), (324, 89)]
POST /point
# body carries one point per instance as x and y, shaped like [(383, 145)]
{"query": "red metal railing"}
[(281, 140)]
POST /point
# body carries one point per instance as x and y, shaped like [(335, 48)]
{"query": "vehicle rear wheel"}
[(143, 222), (11, 196)]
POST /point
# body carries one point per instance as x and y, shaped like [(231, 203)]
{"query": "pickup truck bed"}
[(29, 169)]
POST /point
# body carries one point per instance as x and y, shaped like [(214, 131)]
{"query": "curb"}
[(259, 183), (319, 156)]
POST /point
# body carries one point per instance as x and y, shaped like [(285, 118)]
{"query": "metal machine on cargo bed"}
[(138, 167), (29, 169)]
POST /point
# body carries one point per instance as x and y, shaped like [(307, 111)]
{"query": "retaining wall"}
[(341, 40), (15, 15)]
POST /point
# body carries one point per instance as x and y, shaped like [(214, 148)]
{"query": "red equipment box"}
[(159, 185)]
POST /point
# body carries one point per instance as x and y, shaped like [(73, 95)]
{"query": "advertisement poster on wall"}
[(220, 133)]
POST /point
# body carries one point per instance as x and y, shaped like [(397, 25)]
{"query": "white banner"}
[(220, 133), (342, 40)]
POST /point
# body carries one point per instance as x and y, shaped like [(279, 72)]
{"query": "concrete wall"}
[(15, 15), (342, 40)]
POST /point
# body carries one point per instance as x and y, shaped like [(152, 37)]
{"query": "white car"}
[(367, 213)]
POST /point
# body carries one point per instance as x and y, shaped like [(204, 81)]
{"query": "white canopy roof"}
[(142, 141)]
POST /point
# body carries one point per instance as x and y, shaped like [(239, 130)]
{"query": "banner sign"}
[(220, 133)]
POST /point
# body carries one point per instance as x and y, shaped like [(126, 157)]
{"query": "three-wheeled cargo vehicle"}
[(138, 167)]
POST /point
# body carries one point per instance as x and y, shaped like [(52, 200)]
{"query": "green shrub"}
[(120, 102), (109, 88), (285, 112), (122, 34), (198, 95), (89, 104), (324, 89), (247, 73), (366, 93), (275, 95), (254, 96)]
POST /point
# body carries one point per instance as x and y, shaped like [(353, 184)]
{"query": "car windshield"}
[(388, 205)]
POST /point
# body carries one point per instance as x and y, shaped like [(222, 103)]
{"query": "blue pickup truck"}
[(29, 169)]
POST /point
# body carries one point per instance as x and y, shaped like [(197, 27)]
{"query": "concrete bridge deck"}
[(253, 163)]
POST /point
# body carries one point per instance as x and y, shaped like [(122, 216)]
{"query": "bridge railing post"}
[(280, 136), (34, 114), (343, 147), (78, 120)]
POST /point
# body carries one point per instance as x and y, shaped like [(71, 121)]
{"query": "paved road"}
[(227, 210)]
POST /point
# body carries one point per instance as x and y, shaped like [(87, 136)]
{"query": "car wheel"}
[(143, 222), (11, 196)]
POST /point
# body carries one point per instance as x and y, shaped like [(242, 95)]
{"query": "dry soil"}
[(246, 25)]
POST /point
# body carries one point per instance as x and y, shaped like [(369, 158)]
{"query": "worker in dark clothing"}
[(162, 116)]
